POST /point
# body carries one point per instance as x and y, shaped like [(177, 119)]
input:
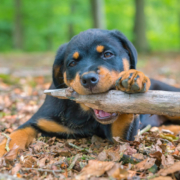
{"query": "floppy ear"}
[(58, 67), (127, 45)]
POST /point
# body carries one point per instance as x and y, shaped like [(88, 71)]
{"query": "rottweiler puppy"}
[(94, 61)]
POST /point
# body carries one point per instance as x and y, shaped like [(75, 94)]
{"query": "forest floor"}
[(153, 155)]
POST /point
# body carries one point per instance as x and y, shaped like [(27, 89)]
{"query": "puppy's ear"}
[(127, 45), (58, 67)]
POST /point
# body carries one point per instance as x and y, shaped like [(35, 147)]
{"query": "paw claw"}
[(144, 88), (125, 83), (135, 87)]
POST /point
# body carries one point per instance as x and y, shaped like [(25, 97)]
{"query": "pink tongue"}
[(102, 113)]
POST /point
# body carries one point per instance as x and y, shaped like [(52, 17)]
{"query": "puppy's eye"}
[(107, 54), (73, 63)]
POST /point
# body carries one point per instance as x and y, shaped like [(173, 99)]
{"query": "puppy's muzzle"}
[(89, 80)]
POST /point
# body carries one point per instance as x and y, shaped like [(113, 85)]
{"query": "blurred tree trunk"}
[(140, 40), (71, 25), (98, 14), (18, 27)]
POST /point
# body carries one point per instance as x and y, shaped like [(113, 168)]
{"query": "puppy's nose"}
[(89, 80)]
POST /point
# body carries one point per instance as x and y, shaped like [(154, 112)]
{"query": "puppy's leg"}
[(125, 127), (133, 81), (20, 139), (24, 135)]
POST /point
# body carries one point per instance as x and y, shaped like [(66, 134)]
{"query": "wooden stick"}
[(152, 102), (74, 162)]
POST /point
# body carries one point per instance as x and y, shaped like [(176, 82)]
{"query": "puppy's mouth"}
[(104, 117)]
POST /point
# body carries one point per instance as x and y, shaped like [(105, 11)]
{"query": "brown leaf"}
[(167, 161), (28, 162), (114, 156), (42, 162), (138, 156), (38, 146), (162, 178), (114, 171), (146, 164), (16, 168), (94, 168), (123, 147), (117, 172), (156, 155), (171, 169), (102, 156), (12, 154), (51, 141), (63, 152)]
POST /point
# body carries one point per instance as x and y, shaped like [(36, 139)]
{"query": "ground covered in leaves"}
[(154, 154)]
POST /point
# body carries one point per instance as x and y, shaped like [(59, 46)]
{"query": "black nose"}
[(89, 80)]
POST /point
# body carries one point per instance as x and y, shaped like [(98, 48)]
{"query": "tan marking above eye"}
[(99, 48), (76, 55)]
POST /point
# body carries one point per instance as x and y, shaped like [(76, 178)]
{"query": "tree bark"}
[(140, 40), (152, 102), (98, 14), (18, 27)]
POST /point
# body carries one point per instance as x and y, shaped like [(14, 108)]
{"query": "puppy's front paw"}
[(19, 140), (133, 81)]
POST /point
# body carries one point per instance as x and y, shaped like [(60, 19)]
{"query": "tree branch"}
[(152, 102)]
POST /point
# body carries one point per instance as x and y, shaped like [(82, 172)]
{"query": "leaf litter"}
[(154, 154)]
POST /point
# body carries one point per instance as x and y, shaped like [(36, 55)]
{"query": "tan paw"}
[(133, 81)]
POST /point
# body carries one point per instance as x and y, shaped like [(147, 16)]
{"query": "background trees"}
[(43, 25)]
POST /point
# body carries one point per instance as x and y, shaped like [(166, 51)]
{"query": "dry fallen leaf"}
[(171, 169), (11, 155), (94, 168), (42, 162), (146, 164), (102, 156), (167, 161), (16, 168), (162, 178)]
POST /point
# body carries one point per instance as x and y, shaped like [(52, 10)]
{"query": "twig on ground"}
[(79, 148), (153, 176), (7, 142), (43, 170), (147, 128), (73, 162)]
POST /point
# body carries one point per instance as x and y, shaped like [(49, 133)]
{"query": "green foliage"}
[(6, 78), (46, 23)]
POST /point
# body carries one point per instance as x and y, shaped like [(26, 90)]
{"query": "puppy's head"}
[(91, 61)]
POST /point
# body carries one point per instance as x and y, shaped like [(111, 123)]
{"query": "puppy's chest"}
[(73, 121)]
